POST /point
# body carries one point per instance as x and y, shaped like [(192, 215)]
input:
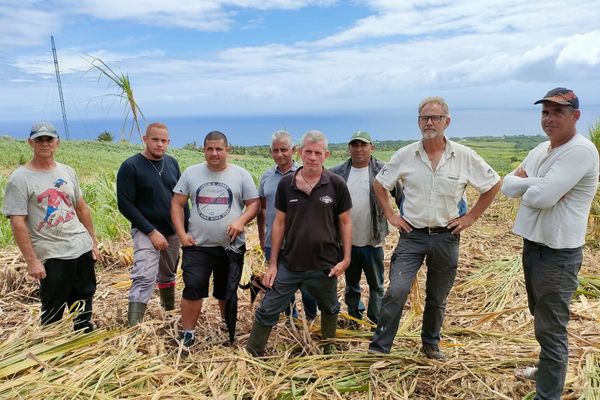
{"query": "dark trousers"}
[(308, 301), (370, 260), (318, 284), (440, 252), (68, 281), (551, 280)]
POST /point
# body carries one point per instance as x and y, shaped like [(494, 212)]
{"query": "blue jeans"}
[(370, 260), (322, 287), (440, 252), (308, 301), (550, 280)]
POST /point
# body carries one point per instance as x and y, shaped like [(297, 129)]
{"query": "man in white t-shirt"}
[(556, 183), (224, 200), (369, 226), (434, 173)]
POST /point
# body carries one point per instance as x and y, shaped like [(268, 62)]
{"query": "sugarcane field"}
[(487, 333)]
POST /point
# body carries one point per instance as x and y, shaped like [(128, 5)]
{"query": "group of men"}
[(316, 224)]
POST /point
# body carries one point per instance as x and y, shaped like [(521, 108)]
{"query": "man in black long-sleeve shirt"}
[(145, 184)]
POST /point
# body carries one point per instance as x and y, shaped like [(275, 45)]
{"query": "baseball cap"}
[(43, 129), (362, 136), (563, 96)]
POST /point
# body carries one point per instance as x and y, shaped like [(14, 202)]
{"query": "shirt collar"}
[(448, 150), (292, 169)]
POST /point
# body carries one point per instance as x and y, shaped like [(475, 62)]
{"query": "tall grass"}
[(593, 236), (123, 85)]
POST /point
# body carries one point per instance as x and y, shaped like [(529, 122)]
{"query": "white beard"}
[(431, 135)]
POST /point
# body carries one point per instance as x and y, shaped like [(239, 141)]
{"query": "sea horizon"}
[(257, 130)]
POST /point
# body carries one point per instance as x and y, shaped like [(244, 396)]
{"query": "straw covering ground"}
[(487, 333)]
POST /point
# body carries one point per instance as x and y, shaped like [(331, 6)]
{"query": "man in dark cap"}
[(52, 226), (556, 184)]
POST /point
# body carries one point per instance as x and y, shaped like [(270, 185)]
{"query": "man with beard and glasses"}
[(434, 173)]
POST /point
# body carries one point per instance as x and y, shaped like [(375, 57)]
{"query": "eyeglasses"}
[(434, 118)]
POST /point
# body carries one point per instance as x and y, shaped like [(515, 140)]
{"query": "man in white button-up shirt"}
[(434, 173), (556, 184)]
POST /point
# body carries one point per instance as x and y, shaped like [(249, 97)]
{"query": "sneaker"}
[(188, 338), (433, 351), (527, 373)]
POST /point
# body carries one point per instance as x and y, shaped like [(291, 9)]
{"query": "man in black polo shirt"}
[(145, 184), (313, 217)]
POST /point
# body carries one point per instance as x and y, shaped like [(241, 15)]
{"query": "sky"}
[(260, 58)]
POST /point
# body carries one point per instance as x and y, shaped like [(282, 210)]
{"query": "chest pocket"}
[(449, 185)]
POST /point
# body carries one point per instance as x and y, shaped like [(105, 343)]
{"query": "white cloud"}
[(26, 24), (581, 50), (74, 60), (205, 15)]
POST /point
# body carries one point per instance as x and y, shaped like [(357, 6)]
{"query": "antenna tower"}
[(60, 93)]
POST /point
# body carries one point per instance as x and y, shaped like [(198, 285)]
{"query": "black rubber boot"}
[(167, 298), (258, 339), (328, 328), (135, 313)]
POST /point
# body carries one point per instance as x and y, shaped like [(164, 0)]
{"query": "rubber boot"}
[(167, 298), (328, 328), (135, 313), (258, 339)]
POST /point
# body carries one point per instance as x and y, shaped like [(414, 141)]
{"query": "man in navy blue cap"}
[(52, 226), (556, 183)]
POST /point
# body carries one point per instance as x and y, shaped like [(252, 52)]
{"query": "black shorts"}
[(197, 264)]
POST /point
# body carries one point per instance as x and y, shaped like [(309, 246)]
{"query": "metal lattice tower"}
[(60, 93)]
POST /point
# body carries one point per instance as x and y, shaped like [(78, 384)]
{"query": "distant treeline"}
[(521, 142)]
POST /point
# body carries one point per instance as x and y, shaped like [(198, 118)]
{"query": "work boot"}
[(167, 298), (258, 339), (433, 351), (135, 313), (328, 328)]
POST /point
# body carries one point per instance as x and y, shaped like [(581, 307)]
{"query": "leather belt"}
[(435, 230)]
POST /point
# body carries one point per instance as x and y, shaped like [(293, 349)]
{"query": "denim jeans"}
[(370, 260), (551, 280), (322, 287), (308, 301), (440, 252)]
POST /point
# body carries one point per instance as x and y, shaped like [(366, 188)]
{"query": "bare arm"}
[(261, 222), (84, 215), (276, 241), (237, 226), (178, 203), (345, 223), (35, 268), (459, 224), (383, 198)]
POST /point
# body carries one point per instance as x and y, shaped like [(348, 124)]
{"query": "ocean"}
[(257, 130)]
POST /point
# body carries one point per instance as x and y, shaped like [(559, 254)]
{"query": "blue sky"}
[(283, 57)]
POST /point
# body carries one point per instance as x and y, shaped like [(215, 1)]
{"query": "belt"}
[(435, 230)]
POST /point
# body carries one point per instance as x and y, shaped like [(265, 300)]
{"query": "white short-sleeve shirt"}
[(434, 197)]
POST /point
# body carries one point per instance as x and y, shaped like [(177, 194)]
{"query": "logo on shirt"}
[(213, 201), (59, 208), (326, 199)]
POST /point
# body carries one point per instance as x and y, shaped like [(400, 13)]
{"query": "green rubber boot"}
[(167, 298), (328, 328), (258, 339), (135, 313)]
